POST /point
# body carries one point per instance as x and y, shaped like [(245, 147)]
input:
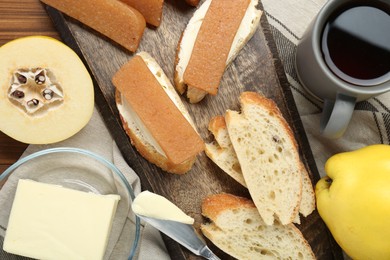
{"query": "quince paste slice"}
[(46, 93)]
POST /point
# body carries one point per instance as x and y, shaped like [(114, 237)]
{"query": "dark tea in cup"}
[(344, 58), (355, 43)]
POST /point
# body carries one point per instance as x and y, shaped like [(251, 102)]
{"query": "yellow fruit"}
[(46, 93), (354, 201)]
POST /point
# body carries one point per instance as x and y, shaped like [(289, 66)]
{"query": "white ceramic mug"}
[(323, 79)]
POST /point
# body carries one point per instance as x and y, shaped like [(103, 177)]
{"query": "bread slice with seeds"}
[(237, 228)]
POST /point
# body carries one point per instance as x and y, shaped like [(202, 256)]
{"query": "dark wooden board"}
[(257, 68)]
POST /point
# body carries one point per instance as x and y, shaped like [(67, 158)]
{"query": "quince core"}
[(46, 93)]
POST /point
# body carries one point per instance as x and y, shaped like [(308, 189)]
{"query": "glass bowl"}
[(81, 170)]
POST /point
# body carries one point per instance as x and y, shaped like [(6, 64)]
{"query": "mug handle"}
[(336, 115)]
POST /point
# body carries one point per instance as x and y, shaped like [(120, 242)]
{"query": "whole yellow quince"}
[(354, 201)]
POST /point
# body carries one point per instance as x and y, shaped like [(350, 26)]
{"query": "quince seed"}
[(40, 78), (18, 94), (33, 102), (47, 94), (26, 83), (21, 78)]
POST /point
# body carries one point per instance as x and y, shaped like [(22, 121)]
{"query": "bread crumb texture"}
[(267, 152), (221, 151), (237, 228)]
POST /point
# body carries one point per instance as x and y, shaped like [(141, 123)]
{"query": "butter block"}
[(52, 222)]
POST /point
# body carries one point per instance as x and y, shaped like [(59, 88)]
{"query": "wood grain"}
[(23, 18), (257, 68), (18, 19)]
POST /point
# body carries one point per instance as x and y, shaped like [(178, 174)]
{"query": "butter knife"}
[(182, 233)]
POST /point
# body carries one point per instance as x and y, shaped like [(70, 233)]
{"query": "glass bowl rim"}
[(92, 155)]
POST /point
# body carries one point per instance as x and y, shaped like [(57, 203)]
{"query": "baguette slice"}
[(150, 9), (184, 52), (267, 152), (114, 19), (237, 228), (153, 116), (222, 153)]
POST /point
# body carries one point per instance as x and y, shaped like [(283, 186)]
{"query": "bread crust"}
[(213, 205), (217, 124), (249, 97)]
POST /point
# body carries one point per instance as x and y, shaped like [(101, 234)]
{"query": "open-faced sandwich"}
[(153, 116), (215, 34)]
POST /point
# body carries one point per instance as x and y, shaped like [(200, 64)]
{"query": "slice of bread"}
[(267, 152), (237, 228), (157, 139), (222, 153), (246, 29)]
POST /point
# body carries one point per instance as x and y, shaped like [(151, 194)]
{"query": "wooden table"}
[(259, 68), (18, 19)]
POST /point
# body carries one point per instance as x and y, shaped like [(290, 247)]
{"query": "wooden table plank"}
[(23, 18), (18, 19), (10, 150)]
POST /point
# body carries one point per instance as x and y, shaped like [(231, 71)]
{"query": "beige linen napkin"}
[(95, 138)]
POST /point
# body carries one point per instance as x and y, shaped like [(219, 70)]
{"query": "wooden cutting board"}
[(257, 68)]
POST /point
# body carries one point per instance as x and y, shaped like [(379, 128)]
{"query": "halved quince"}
[(46, 93)]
